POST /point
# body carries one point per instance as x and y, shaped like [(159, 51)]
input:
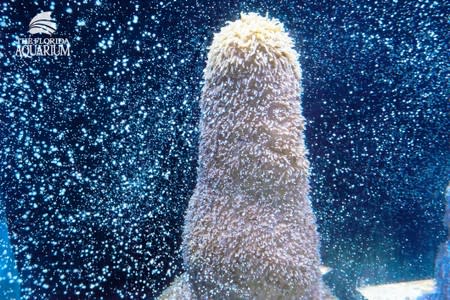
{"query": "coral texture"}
[(250, 231)]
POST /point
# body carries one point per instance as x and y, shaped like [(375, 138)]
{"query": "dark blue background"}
[(99, 149)]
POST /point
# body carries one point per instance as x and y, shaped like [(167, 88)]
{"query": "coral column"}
[(250, 231)]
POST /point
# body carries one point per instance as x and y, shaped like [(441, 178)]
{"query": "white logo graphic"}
[(43, 23), (42, 46)]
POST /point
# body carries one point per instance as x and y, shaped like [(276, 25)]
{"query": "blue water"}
[(9, 278), (99, 149)]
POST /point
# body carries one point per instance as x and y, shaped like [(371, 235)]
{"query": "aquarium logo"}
[(42, 24)]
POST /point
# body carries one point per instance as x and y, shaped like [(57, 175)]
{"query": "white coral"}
[(250, 231)]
